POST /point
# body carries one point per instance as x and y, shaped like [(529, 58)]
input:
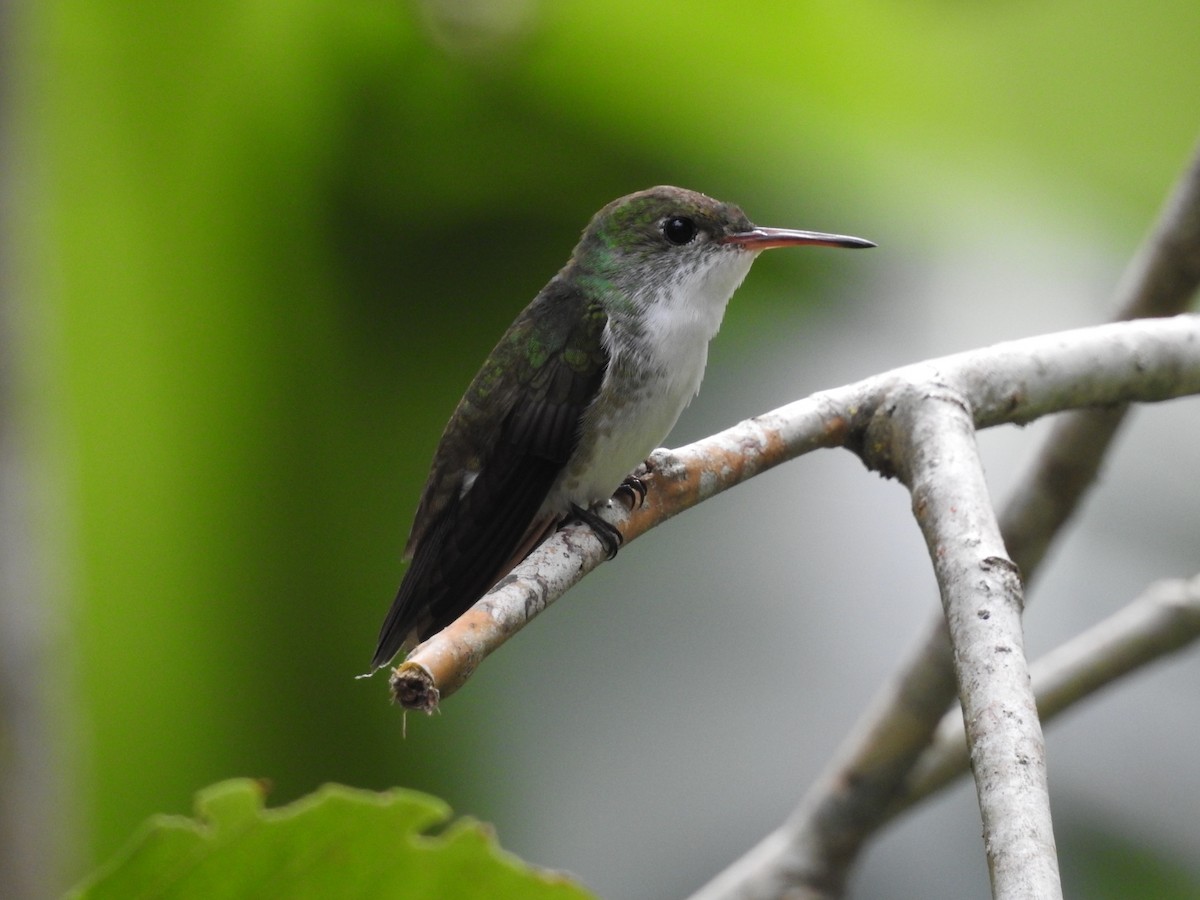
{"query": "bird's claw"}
[(632, 489), (606, 532)]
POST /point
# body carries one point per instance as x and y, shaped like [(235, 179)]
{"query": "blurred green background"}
[(254, 250)]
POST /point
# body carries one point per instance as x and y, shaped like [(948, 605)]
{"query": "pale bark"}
[(1017, 381), (1162, 621), (812, 852)]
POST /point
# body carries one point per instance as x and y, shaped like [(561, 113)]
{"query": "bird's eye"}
[(679, 230)]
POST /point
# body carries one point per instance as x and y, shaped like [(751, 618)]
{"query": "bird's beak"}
[(765, 238)]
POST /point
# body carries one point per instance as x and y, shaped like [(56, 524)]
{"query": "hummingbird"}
[(585, 383)]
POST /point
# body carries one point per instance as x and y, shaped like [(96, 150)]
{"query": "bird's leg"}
[(633, 491), (607, 533)]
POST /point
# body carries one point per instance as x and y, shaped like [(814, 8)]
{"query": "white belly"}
[(639, 403), (654, 371), (615, 443)]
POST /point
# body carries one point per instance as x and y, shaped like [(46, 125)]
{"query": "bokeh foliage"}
[(337, 842), (269, 242)]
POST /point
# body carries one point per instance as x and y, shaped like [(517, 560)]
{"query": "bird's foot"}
[(633, 489), (606, 532)]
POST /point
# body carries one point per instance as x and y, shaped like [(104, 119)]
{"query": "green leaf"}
[(336, 842)]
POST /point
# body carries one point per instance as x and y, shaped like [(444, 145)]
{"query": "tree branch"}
[(928, 435), (810, 854), (1017, 381), (1160, 281), (1163, 620)]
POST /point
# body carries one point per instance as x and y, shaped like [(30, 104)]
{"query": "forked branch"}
[(812, 852), (1017, 381)]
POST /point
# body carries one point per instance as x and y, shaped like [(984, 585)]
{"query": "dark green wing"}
[(512, 433)]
